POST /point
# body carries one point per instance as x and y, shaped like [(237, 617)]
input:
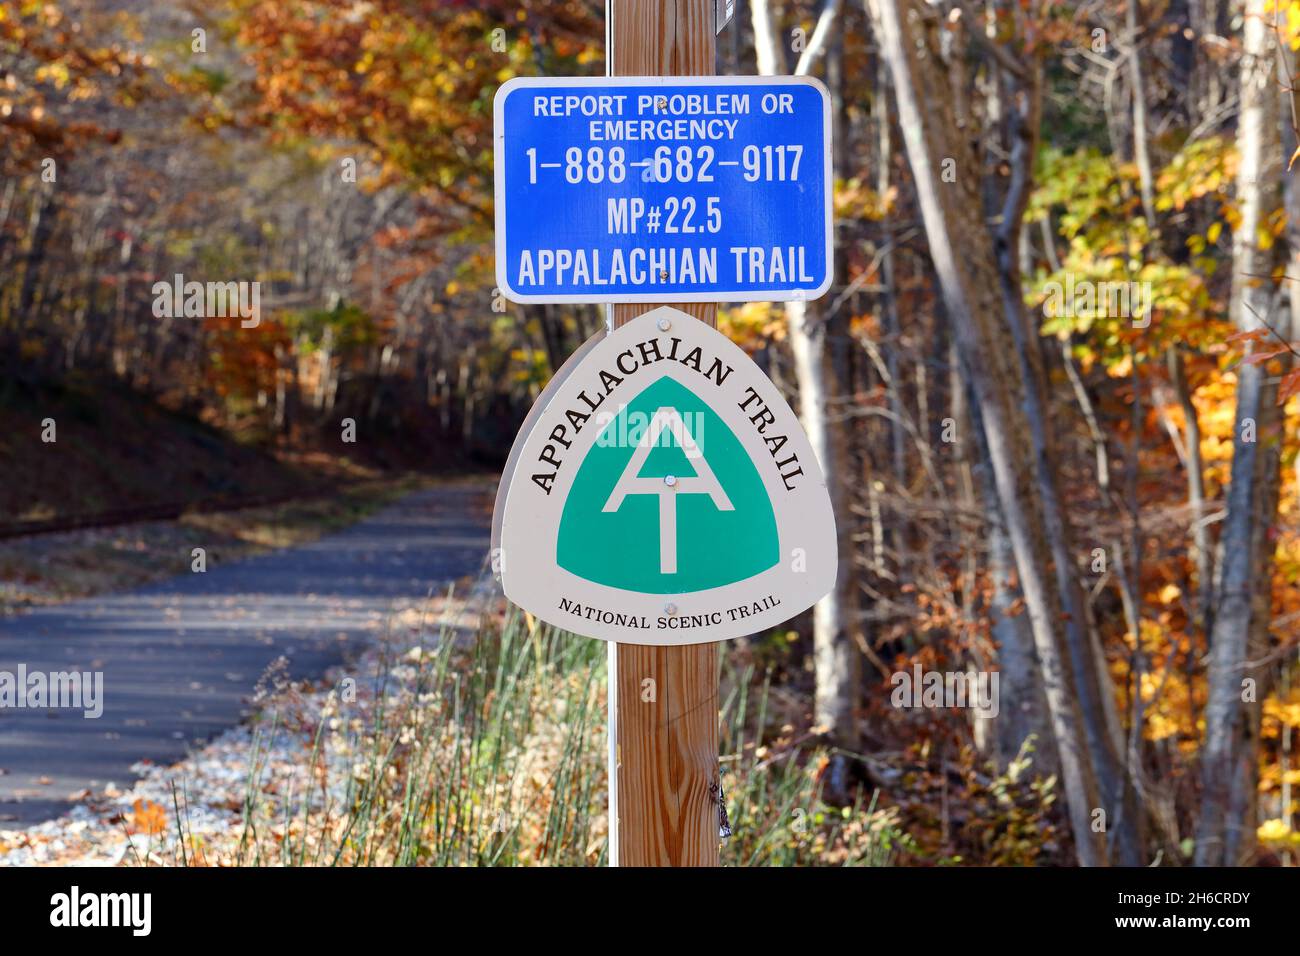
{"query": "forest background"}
[(1054, 384)]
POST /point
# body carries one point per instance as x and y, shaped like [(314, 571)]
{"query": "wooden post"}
[(664, 705)]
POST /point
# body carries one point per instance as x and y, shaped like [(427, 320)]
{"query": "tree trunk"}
[(1225, 834), (837, 662), (991, 335), (1023, 709)]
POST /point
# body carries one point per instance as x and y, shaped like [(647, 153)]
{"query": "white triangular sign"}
[(662, 492)]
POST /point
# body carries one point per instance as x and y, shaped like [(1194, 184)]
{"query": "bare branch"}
[(996, 50), (821, 34)]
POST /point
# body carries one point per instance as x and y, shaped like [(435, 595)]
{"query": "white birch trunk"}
[(1225, 833)]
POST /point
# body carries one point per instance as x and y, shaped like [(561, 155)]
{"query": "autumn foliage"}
[(340, 153)]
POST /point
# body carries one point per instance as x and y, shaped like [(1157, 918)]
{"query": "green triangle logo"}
[(667, 501)]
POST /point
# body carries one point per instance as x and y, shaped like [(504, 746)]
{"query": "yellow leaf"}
[(1273, 831)]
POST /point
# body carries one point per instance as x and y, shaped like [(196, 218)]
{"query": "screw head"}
[(670, 481), (670, 609), (664, 325)]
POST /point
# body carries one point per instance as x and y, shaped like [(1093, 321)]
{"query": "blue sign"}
[(663, 189)]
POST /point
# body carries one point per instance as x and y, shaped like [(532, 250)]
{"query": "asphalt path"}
[(181, 658)]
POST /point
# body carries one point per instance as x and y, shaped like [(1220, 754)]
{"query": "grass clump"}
[(483, 743)]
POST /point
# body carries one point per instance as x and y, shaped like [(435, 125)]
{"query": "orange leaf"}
[(1290, 386), (1259, 358), (148, 817)]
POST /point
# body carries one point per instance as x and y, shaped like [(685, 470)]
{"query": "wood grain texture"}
[(668, 745), (668, 755)]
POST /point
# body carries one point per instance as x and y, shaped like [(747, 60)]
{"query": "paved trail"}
[(180, 658)]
